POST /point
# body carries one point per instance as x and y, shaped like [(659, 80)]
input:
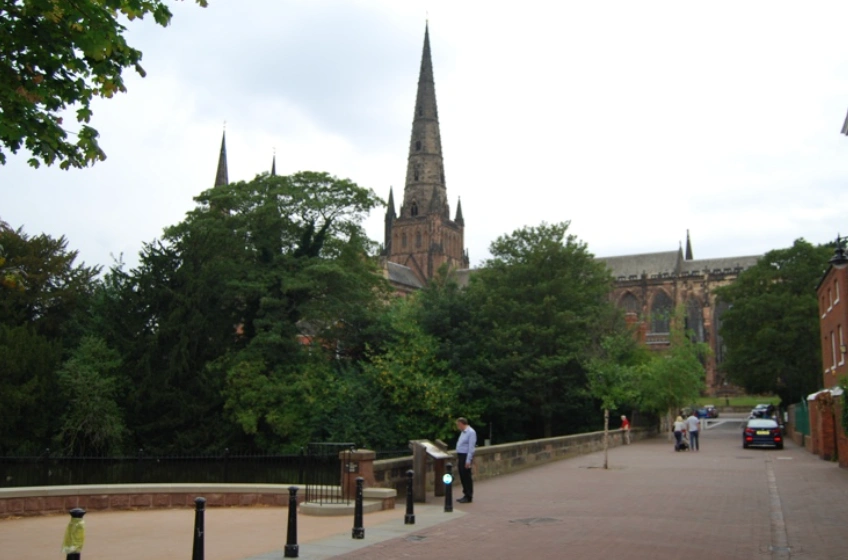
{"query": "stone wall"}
[(19, 502), (496, 460)]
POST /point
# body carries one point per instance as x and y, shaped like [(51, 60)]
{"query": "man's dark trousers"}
[(465, 476)]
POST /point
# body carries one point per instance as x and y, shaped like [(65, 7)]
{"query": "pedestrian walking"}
[(678, 429), (625, 429), (464, 456), (693, 426)]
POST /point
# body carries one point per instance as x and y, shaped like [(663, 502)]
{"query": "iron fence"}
[(50, 470), (325, 464)]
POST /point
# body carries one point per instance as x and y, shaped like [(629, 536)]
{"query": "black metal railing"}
[(324, 464), (50, 470)]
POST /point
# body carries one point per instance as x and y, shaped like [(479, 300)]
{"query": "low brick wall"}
[(496, 460), (18, 502)]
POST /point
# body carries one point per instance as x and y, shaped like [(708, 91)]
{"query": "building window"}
[(832, 350), (836, 289), (829, 299), (420, 111), (416, 172), (630, 304), (418, 145), (418, 239), (841, 346), (413, 210), (403, 240), (661, 309)]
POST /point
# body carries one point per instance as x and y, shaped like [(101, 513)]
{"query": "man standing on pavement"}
[(464, 455), (693, 426), (625, 429)]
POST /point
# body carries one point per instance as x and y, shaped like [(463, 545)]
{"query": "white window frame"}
[(841, 344), (833, 350), (836, 287)]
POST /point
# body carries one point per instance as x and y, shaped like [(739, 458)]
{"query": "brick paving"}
[(721, 503), (652, 504)]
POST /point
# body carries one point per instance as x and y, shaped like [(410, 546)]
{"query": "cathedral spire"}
[(689, 256), (274, 164), (459, 219), (425, 176), (221, 176)]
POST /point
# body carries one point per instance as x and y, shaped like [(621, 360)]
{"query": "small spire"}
[(390, 211), (221, 176), (689, 256), (274, 163), (459, 219)]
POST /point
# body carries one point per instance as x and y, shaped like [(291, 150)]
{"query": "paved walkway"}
[(721, 503)]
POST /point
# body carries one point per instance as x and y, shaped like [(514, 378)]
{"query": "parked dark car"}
[(762, 432), (712, 412)]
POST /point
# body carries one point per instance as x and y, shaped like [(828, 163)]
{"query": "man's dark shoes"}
[(464, 500)]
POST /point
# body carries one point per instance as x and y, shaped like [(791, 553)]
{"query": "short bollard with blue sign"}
[(448, 480)]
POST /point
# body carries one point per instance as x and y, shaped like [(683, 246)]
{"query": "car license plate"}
[(762, 432)]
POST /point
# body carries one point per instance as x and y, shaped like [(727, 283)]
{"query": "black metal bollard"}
[(291, 550), (358, 529), (74, 535), (409, 518), (199, 528), (448, 480)]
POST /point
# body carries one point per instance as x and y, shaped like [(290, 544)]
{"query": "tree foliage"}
[(92, 423), (536, 303), (49, 286), (28, 390), (674, 377), (771, 328), (418, 390), (58, 57)]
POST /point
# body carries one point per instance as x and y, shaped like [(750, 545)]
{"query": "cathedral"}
[(421, 236)]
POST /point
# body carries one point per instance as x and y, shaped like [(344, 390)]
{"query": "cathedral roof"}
[(399, 274), (726, 264), (671, 263), (647, 263)]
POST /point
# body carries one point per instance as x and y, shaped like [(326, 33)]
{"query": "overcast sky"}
[(634, 120)]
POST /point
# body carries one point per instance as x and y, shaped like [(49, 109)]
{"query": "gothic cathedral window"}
[(403, 240), (413, 210), (418, 239), (418, 145)]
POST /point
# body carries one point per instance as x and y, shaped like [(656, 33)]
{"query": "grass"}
[(746, 401)]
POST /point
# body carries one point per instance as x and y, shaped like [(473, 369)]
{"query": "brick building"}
[(827, 434)]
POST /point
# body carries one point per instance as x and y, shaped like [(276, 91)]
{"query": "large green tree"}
[(771, 328), (231, 325), (536, 304), (57, 56)]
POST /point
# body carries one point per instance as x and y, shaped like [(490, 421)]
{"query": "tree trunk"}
[(606, 438), (669, 423)]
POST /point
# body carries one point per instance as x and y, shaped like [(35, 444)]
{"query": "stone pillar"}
[(356, 463), (419, 466)]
